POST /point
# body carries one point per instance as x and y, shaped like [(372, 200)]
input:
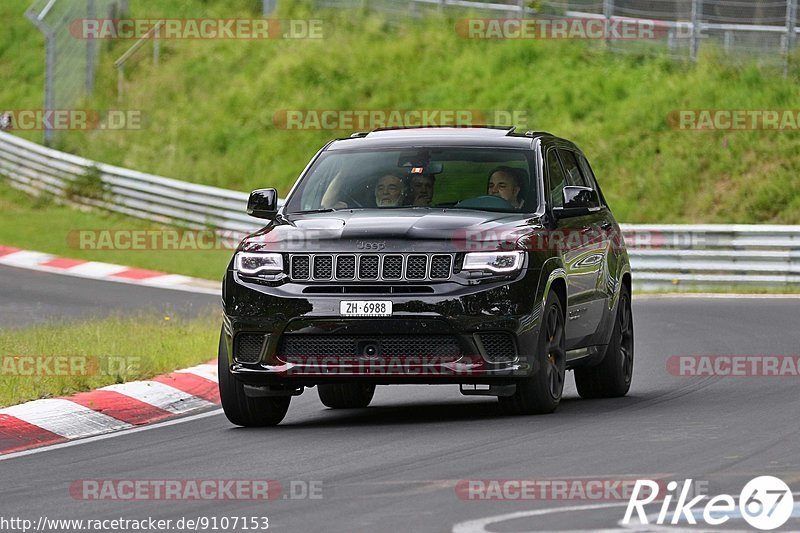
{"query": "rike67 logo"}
[(765, 503)]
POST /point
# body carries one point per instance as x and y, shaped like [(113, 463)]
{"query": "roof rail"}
[(359, 134), (533, 133)]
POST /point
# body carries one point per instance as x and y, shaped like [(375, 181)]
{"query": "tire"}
[(241, 409), (346, 395), (612, 377), (541, 392)]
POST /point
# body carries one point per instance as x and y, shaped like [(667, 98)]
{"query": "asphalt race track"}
[(30, 297), (395, 465)]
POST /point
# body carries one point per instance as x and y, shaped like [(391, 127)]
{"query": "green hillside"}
[(210, 106)]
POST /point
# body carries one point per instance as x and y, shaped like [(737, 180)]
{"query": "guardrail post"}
[(697, 15), (791, 35)]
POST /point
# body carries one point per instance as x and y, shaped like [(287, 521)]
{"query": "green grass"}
[(44, 226), (86, 355), (209, 106)]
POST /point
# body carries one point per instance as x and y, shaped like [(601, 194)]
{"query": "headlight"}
[(502, 262), (254, 263)]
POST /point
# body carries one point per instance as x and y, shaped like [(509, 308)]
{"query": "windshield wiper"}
[(323, 210)]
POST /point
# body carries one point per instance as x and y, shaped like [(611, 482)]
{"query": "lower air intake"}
[(498, 347), (247, 347)]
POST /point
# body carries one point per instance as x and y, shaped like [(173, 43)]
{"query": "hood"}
[(396, 230)]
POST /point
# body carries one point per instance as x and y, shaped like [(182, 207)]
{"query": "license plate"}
[(365, 308)]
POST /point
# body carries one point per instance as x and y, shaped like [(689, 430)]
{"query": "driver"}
[(390, 190), (506, 183)]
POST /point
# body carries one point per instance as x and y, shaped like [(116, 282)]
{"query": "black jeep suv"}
[(477, 256)]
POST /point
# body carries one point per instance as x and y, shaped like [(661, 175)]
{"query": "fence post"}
[(49, 81), (157, 46), (728, 42), (268, 6), (608, 12), (521, 4), (697, 15), (791, 23), (91, 50)]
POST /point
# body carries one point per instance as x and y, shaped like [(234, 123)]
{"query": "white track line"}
[(479, 525)]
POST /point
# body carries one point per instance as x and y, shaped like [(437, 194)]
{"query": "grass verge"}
[(61, 359)]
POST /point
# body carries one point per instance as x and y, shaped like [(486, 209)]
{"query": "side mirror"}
[(579, 197), (263, 203), (578, 201)]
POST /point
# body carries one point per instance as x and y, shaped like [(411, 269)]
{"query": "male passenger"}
[(389, 191), (507, 183), (422, 189)]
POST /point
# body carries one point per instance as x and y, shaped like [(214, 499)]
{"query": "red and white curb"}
[(104, 271), (111, 408)]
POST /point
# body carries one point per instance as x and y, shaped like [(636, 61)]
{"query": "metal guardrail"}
[(38, 170), (663, 257)]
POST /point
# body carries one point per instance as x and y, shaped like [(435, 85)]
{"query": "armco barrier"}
[(663, 257)]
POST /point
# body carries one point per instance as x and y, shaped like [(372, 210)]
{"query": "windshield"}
[(489, 179)]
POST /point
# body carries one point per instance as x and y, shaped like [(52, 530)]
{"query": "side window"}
[(590, 178), (556, 178), (574, 176)]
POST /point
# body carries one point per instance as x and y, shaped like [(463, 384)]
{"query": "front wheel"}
[(241, 409), (541, 393), (345, 395), (612, 377)]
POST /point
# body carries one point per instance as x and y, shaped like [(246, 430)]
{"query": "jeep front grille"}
[(370, 267), (300, 268)]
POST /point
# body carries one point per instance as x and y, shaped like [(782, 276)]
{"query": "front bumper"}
[(464, 314)]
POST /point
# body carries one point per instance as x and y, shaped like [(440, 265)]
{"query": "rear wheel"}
[(241, 409), (541, 392), (345, 395), (612, 377)]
